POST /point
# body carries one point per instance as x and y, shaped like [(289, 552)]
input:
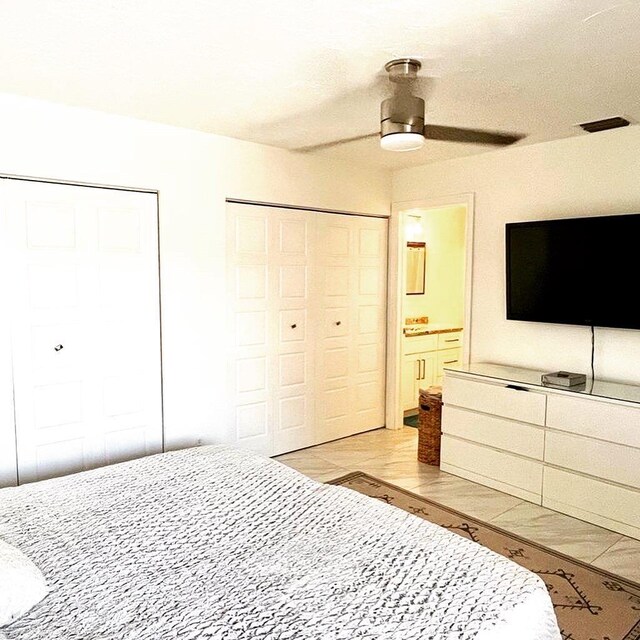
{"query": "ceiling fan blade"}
[(477, 136), (326, 145)]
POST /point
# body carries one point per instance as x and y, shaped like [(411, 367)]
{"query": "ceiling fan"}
[(402, 126)]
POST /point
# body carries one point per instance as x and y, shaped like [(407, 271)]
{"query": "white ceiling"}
[(293, 73)]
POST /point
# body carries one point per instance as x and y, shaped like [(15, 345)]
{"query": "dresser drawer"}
[(604, 420), (606, 460), (515, 437), (593, 500), (450, 340), (525, 406), (497, 469)]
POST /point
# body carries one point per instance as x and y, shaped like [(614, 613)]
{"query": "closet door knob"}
[(338, 323), (293, 326), (58, 347)]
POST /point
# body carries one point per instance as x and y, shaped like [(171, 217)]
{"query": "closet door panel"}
[(250, 358), (334, 352), (51, 335), (290, 259), (369, 326), (272, 335), (85, 326), (352, 306), (8, 465)]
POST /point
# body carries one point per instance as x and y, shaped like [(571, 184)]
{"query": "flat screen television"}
[(582, 271)]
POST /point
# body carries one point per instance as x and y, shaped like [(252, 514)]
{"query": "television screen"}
[(581, 271)]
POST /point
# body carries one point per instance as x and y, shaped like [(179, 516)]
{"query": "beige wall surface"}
[(443, 231), (595, 174), (194, 172)]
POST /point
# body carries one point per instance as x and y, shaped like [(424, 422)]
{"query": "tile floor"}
[(391, 455)]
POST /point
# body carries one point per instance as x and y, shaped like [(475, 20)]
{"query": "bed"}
[(218, 543)]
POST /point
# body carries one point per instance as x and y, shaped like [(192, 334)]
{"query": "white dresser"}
[(574, 451)]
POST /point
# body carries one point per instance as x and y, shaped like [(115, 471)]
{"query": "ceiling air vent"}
[(603, 125)]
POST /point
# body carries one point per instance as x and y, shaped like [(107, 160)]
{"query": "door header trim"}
[(297, 207), (71, 183)]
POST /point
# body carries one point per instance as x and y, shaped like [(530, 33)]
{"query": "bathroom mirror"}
[(416, 267)]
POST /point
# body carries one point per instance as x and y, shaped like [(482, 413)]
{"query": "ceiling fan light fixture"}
[(402, 141), (402, 115)]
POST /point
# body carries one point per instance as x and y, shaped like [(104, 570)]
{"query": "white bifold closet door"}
[(82, 286), (351, 330), (307, 305)]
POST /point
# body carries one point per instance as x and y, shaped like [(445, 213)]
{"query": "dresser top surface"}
[(606, 389)]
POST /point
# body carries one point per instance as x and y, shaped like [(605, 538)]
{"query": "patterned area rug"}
[(591, 604)]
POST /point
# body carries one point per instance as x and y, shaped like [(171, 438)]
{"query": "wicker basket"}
[(429, 429)]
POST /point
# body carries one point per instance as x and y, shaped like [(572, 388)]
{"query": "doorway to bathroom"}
[(429, 323)]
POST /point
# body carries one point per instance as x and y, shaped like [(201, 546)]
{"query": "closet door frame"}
[(8, 455), (9, 465), (263, 439)]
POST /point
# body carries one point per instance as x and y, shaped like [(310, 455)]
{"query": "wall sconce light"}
[(413, 228)]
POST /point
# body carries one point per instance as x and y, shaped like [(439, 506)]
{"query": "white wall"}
[(585, 175), (194, 172)]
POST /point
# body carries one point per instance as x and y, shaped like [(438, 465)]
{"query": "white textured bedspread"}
[(215, 543)]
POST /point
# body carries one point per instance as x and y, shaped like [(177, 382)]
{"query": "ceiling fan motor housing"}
[(404, 112), (402, 115)]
